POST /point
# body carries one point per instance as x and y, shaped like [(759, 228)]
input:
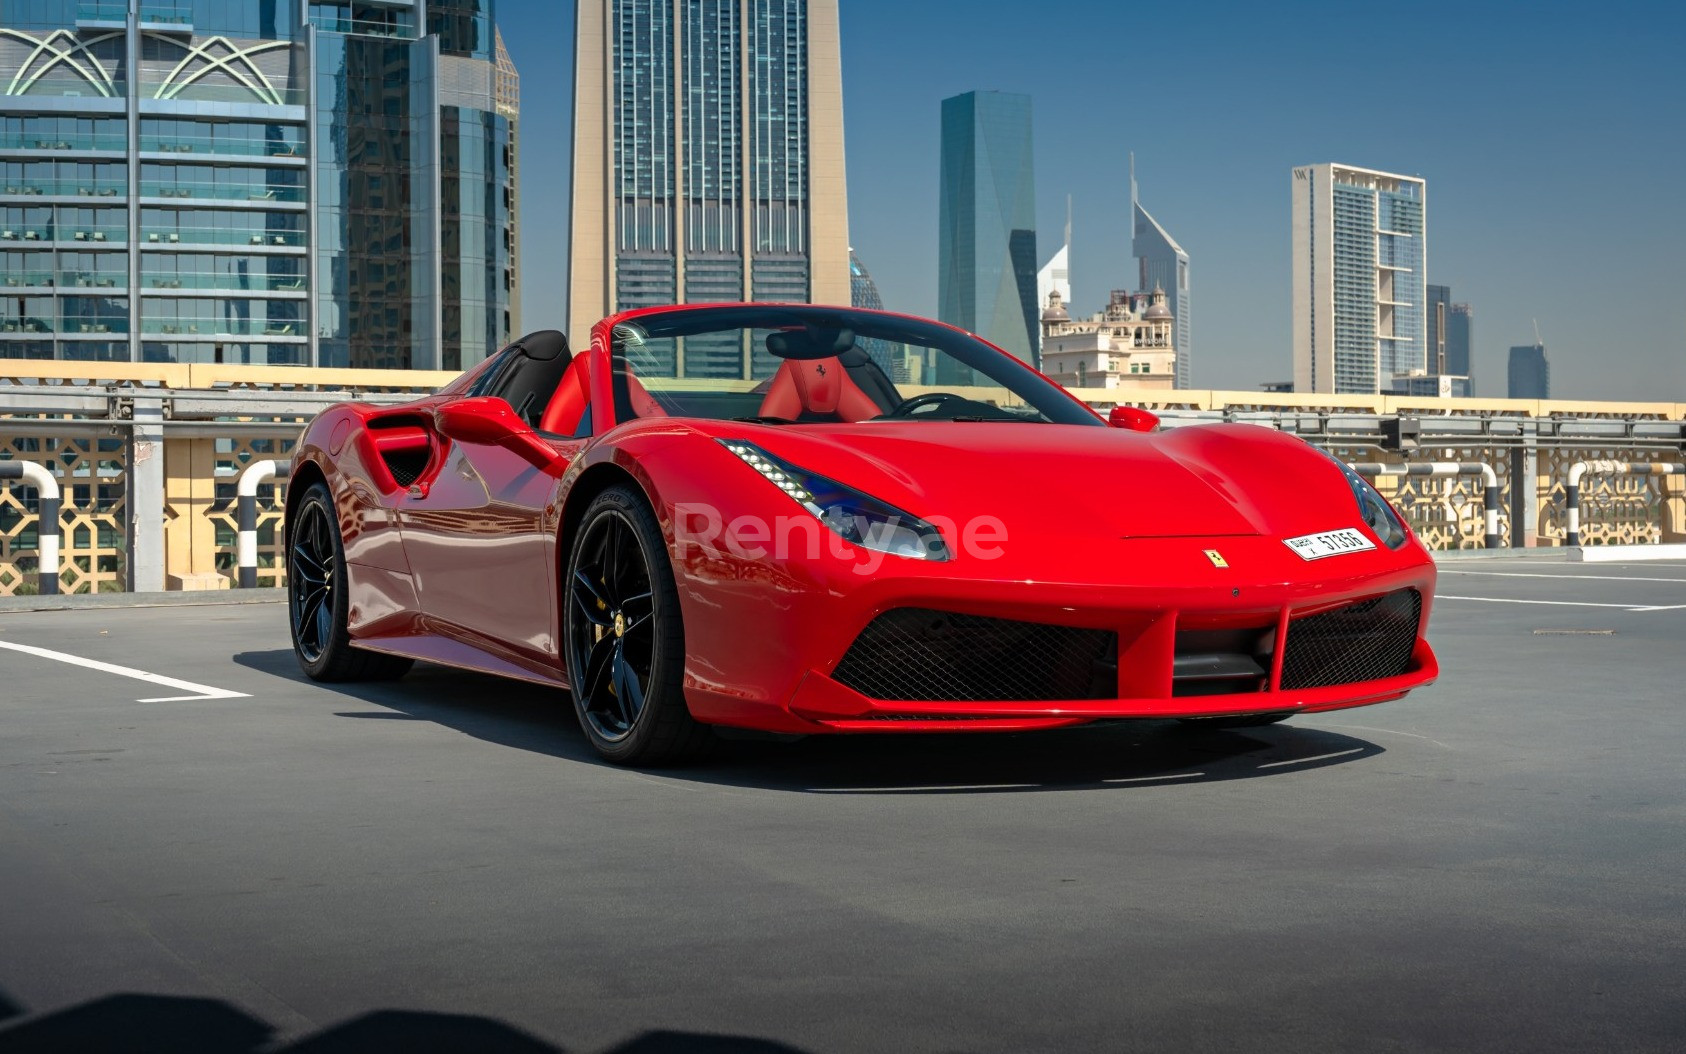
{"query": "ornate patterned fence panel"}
[(1615, 509), (1447, 512), (92, 475), (234, 453)]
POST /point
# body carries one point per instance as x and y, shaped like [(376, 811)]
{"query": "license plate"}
[(1329, 543)]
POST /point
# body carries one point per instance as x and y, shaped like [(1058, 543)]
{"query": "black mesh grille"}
[(1364, 641), (406, 465), (938, 656)]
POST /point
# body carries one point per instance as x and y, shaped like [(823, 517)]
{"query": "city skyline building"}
[(1530, 372), (1055, 276), (892, 358), (1460, 343), (1447, 328), (1359, 287), (708, 161), (986, 221), (1129, 343), (1164, 265), (506, 94), (281, 182), (1438, 304)]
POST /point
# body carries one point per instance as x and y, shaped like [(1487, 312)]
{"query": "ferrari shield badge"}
[(1217, 558)]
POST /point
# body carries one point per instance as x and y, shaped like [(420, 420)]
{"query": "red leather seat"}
[(568, 405), (817, 390)]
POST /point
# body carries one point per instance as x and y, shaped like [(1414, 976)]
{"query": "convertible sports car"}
[(808, 519)]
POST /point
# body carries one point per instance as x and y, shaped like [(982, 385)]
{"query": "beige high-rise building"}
[(708, 158), (1360, 289)]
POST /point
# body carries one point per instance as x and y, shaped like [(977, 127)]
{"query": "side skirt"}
[(443, 651)]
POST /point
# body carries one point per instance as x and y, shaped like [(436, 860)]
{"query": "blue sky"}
[(1552, 136)]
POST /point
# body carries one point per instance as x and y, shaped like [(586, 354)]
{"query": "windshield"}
[(806, 365)]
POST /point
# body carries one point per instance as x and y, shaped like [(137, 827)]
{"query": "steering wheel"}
[(911, 406)]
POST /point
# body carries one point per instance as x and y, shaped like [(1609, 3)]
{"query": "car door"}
[(480, 536)]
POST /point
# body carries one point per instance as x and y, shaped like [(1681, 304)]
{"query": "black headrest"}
[(544, 345), (810, 342)]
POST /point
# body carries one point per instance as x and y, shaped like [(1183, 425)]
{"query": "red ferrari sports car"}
[(810, 519)]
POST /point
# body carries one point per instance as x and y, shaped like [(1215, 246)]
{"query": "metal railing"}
[(1581, 469), (48, 528), (1489, 491), (151, 457), (251, 478)]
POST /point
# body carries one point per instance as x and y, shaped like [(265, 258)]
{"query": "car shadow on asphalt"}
[(1112, 755), (185, 1025)]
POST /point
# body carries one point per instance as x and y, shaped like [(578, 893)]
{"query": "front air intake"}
[(918, 654), (1363, 641)]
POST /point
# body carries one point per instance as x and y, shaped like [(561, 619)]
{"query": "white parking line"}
[(200, 691), (1566, 603), (1537, 574), (1307, 761)]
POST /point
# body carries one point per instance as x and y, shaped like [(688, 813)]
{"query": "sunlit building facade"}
[(1359, 287), (277, 181), (708, 162), (1129, 343)]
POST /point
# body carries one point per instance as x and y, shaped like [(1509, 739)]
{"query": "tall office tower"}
[(1164, 265), (986, 222), (1438, 307), (1359, 290), (863, 292), (1460, 346), (506, 92), (1530, 372), (269, 182), (708, 161)]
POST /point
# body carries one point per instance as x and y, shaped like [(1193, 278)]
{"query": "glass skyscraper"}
[(1439, 305), (1164, 265), (1530, 372), (274, 181), (1359, 287), (708, 161), (1449, 328), (1460, 343), (986, 221)]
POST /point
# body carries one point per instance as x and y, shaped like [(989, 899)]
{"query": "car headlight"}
[(852, 515), (1373, 509)]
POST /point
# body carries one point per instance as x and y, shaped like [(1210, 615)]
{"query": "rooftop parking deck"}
[(251, 862)]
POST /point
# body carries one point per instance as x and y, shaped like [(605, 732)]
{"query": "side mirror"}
[(1134, 418), (490, 421)]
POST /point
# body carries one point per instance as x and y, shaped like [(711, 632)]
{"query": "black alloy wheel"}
[(310, 582), (316, 597), (625, 642)]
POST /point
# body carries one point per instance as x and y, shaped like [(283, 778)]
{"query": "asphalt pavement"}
[(254, 863)]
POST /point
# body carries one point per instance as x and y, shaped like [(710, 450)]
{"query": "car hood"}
[(1057, 482)]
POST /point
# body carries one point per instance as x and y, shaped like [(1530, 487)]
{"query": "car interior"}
[(824, 376)]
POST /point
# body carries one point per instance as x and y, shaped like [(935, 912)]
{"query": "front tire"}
[(317, 603), (625, 639)]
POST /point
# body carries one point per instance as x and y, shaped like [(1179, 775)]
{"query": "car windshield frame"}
[(1050, 403)]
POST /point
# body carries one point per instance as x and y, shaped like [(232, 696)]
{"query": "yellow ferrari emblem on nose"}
[(1217, 558), (620, 624)]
